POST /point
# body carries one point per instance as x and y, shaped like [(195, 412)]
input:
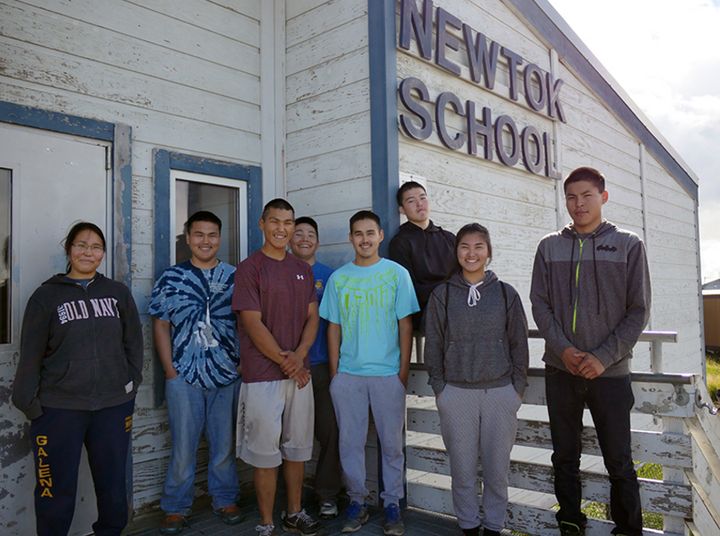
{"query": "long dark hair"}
[(464, 231), (75, 230)]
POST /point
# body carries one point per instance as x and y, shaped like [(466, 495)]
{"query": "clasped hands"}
[(581, 363), (293, 366)]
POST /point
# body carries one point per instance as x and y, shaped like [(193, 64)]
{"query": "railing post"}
[(656, 362), (669, 425), (419, 347)]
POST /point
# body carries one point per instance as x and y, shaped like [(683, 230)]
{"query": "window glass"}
[(5, 264), (220, 200)]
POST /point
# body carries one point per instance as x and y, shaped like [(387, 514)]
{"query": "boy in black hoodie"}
[(423, 248), (591, 300)]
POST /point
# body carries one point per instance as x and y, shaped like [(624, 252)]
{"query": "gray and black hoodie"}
[(476, 338), (591, 292), (81, 347)]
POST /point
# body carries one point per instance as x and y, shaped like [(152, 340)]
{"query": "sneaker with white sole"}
[(356, 515), (328, 509), (265, 530), (301, 523)]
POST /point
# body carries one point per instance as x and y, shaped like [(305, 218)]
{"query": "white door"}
[(47, 182)]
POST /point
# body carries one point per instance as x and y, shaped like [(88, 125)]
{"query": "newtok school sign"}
[(501, 136)]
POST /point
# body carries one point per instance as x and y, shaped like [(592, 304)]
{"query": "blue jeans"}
[(192, 410), (609, 401)]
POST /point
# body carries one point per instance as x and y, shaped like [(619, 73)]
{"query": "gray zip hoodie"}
[(591, 292), (476, 346)]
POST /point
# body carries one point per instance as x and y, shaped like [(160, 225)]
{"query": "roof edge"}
[(549, 25)]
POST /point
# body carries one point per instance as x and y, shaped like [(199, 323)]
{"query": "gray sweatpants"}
[(352, 397), (480, 421)]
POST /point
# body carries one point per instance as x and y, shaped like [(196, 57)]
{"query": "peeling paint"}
[(14, 446)]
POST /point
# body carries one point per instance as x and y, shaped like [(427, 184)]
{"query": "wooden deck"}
[(417, 523)]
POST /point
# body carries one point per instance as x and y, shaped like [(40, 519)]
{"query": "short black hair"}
[(409, 185), (309, 221), (585, 174), (202, 215), (278, 203), (365, 215)]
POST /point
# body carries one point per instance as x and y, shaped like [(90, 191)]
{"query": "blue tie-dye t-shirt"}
[(204, 336)]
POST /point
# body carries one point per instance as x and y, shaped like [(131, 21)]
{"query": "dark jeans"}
[(609, 401), (328, 475), (57, 438)]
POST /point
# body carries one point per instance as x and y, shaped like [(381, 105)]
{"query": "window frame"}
[(165, 163), (239, 185)]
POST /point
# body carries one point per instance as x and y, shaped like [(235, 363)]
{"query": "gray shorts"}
[(275, 422)]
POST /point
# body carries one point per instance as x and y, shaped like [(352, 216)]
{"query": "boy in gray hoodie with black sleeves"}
[(591, 300)]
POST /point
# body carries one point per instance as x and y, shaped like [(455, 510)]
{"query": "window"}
[(226, 198), (5, 264)]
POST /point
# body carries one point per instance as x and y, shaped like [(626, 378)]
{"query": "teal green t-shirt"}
[(367, 302)]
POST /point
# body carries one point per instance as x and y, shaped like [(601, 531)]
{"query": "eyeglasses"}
[(95, 249)]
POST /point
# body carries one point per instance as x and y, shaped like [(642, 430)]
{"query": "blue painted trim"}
[(164, 161), (56, 122), (122, 202), (161, 180), (121, 137), (384, 144), (385, 160), (581, 64)]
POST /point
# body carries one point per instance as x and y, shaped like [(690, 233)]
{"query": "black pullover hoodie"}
[(80, 348)]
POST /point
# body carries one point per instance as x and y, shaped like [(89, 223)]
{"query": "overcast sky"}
[(666, 56)]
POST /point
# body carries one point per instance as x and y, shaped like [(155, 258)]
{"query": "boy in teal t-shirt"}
[(368, 304)]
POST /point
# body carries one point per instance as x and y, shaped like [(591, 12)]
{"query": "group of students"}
[(319, 349)]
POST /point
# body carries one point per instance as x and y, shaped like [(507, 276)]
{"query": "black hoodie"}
[(80, 348), (428, 254)]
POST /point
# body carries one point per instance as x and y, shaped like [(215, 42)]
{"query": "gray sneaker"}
[(356, 516), (265, 530), (394, 525), (328, 509)]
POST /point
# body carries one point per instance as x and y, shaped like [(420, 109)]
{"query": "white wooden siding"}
[(328, 117), (185, 75), (519, 208)]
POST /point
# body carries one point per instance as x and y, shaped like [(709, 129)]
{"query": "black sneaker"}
[(571, 529), (301, 523)]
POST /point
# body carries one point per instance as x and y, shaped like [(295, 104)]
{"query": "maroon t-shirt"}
[(281, 291)]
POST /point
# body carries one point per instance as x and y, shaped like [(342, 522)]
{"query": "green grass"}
[(713, 375), (651, 520)]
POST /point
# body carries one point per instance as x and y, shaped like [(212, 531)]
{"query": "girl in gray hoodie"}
[(476, 352)]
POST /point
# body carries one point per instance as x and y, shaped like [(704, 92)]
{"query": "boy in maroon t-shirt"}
[(274, 299)]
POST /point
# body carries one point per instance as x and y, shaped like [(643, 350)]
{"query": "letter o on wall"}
[(539, 102), (531, 135), (508, 158)]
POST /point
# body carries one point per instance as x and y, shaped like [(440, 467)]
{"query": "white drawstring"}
[(474, 294)]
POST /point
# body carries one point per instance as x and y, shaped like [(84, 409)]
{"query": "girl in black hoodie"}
[(81, 353)]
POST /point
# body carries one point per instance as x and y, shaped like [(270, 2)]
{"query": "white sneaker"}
[(328, 509), (265, 530)]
